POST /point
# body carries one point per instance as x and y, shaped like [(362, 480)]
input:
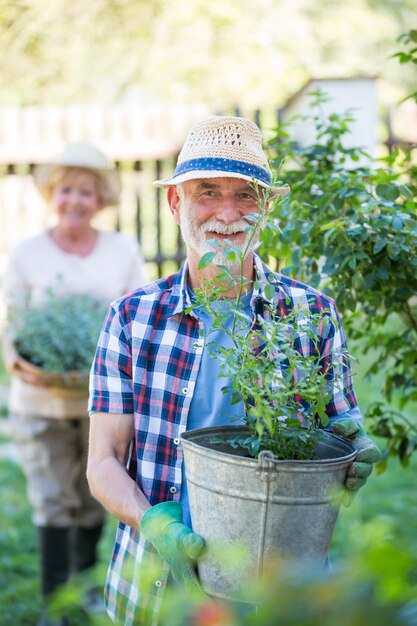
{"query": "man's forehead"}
[(218, 183)]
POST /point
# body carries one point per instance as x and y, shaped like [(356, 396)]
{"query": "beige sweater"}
[(113, 268)]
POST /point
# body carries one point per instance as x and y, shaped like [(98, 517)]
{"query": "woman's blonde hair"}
[(63, 173)]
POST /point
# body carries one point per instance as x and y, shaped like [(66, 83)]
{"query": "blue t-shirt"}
[(210, 406)]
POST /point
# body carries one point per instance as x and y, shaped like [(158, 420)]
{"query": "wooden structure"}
[(144, 142)]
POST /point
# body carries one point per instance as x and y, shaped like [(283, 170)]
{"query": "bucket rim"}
[(188, 436)]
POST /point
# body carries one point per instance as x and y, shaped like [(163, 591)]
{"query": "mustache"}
[(224, 229)]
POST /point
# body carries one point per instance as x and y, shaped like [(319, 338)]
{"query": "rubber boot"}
[(84, 547), (54, 561)]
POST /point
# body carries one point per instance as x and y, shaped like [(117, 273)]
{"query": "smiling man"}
[(153, 378), (215, 210)]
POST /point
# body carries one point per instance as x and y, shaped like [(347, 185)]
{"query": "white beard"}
[(195, 237)]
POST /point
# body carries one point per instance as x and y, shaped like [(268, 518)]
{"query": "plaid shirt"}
[(146, 364)]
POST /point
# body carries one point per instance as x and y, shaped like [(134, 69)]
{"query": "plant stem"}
[(409, 314)]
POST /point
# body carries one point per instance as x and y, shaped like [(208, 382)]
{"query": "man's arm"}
[(110, 484)]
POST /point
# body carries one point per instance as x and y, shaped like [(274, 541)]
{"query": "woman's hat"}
[(221, 146), (86, 156)]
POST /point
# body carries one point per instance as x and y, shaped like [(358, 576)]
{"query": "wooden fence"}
[(142, 152), (142, 142), (142, 211)]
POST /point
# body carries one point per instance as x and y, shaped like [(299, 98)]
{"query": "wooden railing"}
[(143, 210)]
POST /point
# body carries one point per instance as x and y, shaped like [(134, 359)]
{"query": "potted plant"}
[(271, 483), (55, 341)]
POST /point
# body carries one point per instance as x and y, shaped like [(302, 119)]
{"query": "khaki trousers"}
[(53, 454)]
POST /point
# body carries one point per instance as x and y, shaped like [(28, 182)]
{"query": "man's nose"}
[(227, 210)]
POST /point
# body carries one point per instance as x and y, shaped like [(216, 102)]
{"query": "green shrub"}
[(351, 230), (61, 335)]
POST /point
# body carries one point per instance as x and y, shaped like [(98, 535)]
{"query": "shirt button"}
[(173, 489), (158, 583), (177, 441), (185, 390)]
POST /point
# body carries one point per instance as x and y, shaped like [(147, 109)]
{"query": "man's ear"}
[(174, 203)]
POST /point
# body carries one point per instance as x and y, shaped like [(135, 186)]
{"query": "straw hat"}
[(221, 146), (81, 155)]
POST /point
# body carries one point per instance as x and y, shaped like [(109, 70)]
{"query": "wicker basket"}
[(63, 383)]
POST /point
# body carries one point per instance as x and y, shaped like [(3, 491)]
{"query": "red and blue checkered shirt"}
[(146, 364)]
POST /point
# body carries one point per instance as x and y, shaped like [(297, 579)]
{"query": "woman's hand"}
[(14, 363)]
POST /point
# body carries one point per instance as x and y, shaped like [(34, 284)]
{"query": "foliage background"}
[(376, 536), (225, 52)]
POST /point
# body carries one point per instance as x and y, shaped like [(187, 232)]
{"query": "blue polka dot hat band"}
[(224, 165)]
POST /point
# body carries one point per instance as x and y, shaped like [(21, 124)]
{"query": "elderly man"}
[(150, 383)]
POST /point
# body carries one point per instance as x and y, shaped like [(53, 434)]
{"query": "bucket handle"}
[(267, 473), (266, 465)]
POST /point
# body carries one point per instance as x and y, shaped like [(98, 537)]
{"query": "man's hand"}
[(175, 543), (367, 453)]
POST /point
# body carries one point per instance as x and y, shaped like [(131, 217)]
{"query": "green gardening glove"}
[(367, 453), (175, 543)]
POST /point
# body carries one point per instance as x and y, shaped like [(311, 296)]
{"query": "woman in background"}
[(52, 429)]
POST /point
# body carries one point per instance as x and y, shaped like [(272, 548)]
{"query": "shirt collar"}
[(180, 292), (263, 277)]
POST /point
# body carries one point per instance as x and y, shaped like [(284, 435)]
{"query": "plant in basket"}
[(56, 340)]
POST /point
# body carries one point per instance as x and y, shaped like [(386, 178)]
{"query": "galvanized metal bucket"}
[(286, 508)]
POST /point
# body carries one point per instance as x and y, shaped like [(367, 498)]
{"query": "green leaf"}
[(397, 223), (296, 256), (333, 224), (215, 243), (393, 249), (230, 255), (293, 422), (315, 280), (413, 35), (350, 303), (269, 291), (406, 192), (324, 420), (241, 315), (388, 191), (380, 245), (358, 281), (60, 334), (206, 259)]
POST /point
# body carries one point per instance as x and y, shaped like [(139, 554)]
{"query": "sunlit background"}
[(130, 76), (222, 53)]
